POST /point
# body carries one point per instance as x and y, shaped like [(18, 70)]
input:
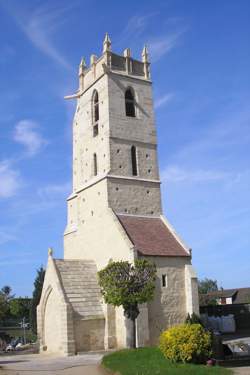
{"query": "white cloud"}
[(137, 24), (161, 101), (40, 24), (5, 236), (158, 47), (139, 30), (26, 133), (10, 181), (51, 191), (177, 174)]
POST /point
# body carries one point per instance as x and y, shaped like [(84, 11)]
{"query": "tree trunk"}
[(134, 333)]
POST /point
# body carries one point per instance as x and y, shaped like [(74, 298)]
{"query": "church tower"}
[(115, 212), (114, 142)]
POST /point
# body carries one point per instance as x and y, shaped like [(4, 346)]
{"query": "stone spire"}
[(82, 68), (106, 43), (144, 54), (145, 61)]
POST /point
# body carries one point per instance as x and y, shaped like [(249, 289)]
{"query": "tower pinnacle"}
[(144, 54), (106, 43), (82, 66)]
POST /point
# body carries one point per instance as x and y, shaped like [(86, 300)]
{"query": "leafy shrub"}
[(186, 343)]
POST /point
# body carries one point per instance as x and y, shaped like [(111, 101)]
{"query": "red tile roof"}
[(240, 295), (151, 236)]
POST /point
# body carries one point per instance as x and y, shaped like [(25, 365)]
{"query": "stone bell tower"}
[(114, 146), (114, 213)]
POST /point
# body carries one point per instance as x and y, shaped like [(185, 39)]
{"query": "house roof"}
[(240, 295), (151, 236), (79, 281), (224, 293)]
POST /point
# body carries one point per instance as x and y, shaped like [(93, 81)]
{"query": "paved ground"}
[(241, 370), (42, 364), (85, 364)]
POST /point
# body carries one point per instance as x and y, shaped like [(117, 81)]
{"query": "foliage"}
[(20, 307), (186, 343), (207, 285), (38, 286), (128, 285), (193, 319), (150, 361), (5, 298)]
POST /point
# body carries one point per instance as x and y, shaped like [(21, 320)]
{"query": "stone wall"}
[(169, 304), (89, 334), (85, 145), (134, 196), (99, 238), (54, 316)]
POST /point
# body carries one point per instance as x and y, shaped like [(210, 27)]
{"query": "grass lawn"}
[(150, 361)]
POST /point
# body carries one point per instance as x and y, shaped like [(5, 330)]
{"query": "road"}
[(44, 364)]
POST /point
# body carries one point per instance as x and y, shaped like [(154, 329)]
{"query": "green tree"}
[(207, 285), (38, 286), (5, 298), (20, 308), (128, 285)]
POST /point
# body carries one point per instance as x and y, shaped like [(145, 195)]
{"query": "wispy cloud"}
[(160, 46), (140, 29), (137, 24), (5, 236), (26, 133), (24, 257), (163, 100), (40, 25), (134, 28), (177, 174), (10, 180), (50, 191)]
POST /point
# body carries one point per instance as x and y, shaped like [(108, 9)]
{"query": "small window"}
[(95, 113), (95, 165), (129, 103), (134, 161), (96, 107), (164, 281), (95, 130)]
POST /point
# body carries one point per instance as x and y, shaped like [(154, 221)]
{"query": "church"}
[(114, 213)]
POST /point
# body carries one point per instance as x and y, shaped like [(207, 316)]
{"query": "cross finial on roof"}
[(50, 252)]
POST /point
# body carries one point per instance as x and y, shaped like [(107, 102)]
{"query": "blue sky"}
[(200, 55)]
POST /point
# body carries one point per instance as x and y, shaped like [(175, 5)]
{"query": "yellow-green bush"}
[(186, 343)]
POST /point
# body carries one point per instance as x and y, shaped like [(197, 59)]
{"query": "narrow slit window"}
[(95, 130), (95, 113), (134, 161), (129, 103), (164, 281), (95, 165), (96, 107)]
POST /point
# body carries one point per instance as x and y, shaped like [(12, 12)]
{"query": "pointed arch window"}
[(130, 103), (95, 170), (134, 161), (95, 113)]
